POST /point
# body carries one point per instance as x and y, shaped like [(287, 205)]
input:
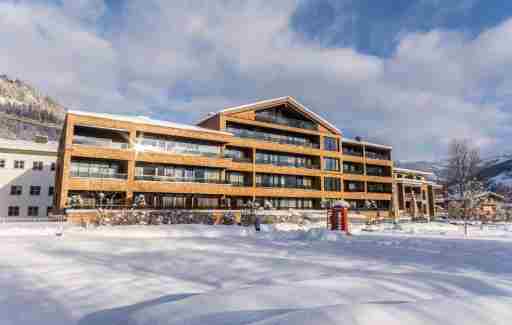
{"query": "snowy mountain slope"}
[(25, 112), (496, 171)]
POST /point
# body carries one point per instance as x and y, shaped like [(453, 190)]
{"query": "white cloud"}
[(435, 86)]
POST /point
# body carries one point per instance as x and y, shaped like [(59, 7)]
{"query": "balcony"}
[(352, 152), (286, 164), (99, 142), (287, 121), (377, 156), (179, 179), (272, 138), (239, 159), (286, 186), (102, 175)]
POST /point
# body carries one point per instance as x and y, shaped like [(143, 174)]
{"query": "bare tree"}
[(463, 165)]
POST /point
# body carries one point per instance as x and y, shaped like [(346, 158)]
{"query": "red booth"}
[(337, 216)]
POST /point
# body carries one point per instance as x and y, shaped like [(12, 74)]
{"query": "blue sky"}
[(414, 74)]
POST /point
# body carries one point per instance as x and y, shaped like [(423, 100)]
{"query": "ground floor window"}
[(13, 211), (33, 211)]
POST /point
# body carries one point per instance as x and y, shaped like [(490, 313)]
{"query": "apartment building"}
[(275, 152), (414, 195), (27, 174)]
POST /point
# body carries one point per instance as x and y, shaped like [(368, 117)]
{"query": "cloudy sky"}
[(410, 73)]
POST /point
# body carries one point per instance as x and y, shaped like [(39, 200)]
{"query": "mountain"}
[(26, 113), (495, 171)]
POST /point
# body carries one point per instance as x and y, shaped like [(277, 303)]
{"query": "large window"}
[(352, 150), (237, 179), (284, 117), (330, 144), (288, 203), (238, 155), (353, 186), (272, 135), (285, 160), (171, 173), (332, 184), (178, 146), (379, 187), (378, 170), (353, 168), (374, 153), (286, 181), (332, 164), (97, 169)]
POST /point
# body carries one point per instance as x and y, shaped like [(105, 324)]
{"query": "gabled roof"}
[(277, 101), (148, 120)]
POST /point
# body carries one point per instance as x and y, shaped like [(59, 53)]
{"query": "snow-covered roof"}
[(148, 120), (275, 100), (366, 143), (50, 147), (412, 171)]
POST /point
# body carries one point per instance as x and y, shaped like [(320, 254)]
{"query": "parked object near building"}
[(414, 196), (27, 174), (275, 152)]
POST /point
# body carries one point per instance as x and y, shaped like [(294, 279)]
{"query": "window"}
[(16, 189), (353, 168), (330, 144), (19, 164), (2, 163), (35, 190), (13, 211), (33, 211), (51, 190), (37, 165), (53, 165), (353, 186), (332, 164), (378, 171), (379, 188), (48, 211), (332, 184)]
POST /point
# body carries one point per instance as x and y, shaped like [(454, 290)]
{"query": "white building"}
[(27, 176)]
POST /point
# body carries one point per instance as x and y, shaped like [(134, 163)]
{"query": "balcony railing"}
[(286, 164), (349, 152), (88, 174), (272, 138), (296, 123), (240, 184), (98, 142), (374, 155), (179, 179), (291, 186), (239, 159), (383, 174), (354, 172)]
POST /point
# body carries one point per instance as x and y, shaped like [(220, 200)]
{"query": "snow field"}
[(194, 274)]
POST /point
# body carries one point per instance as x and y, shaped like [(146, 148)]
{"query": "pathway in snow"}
[(191, 274)]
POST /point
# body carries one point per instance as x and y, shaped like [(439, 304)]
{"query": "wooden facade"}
[(289, 131)]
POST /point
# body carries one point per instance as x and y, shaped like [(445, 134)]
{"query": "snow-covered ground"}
[(222, 275)]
